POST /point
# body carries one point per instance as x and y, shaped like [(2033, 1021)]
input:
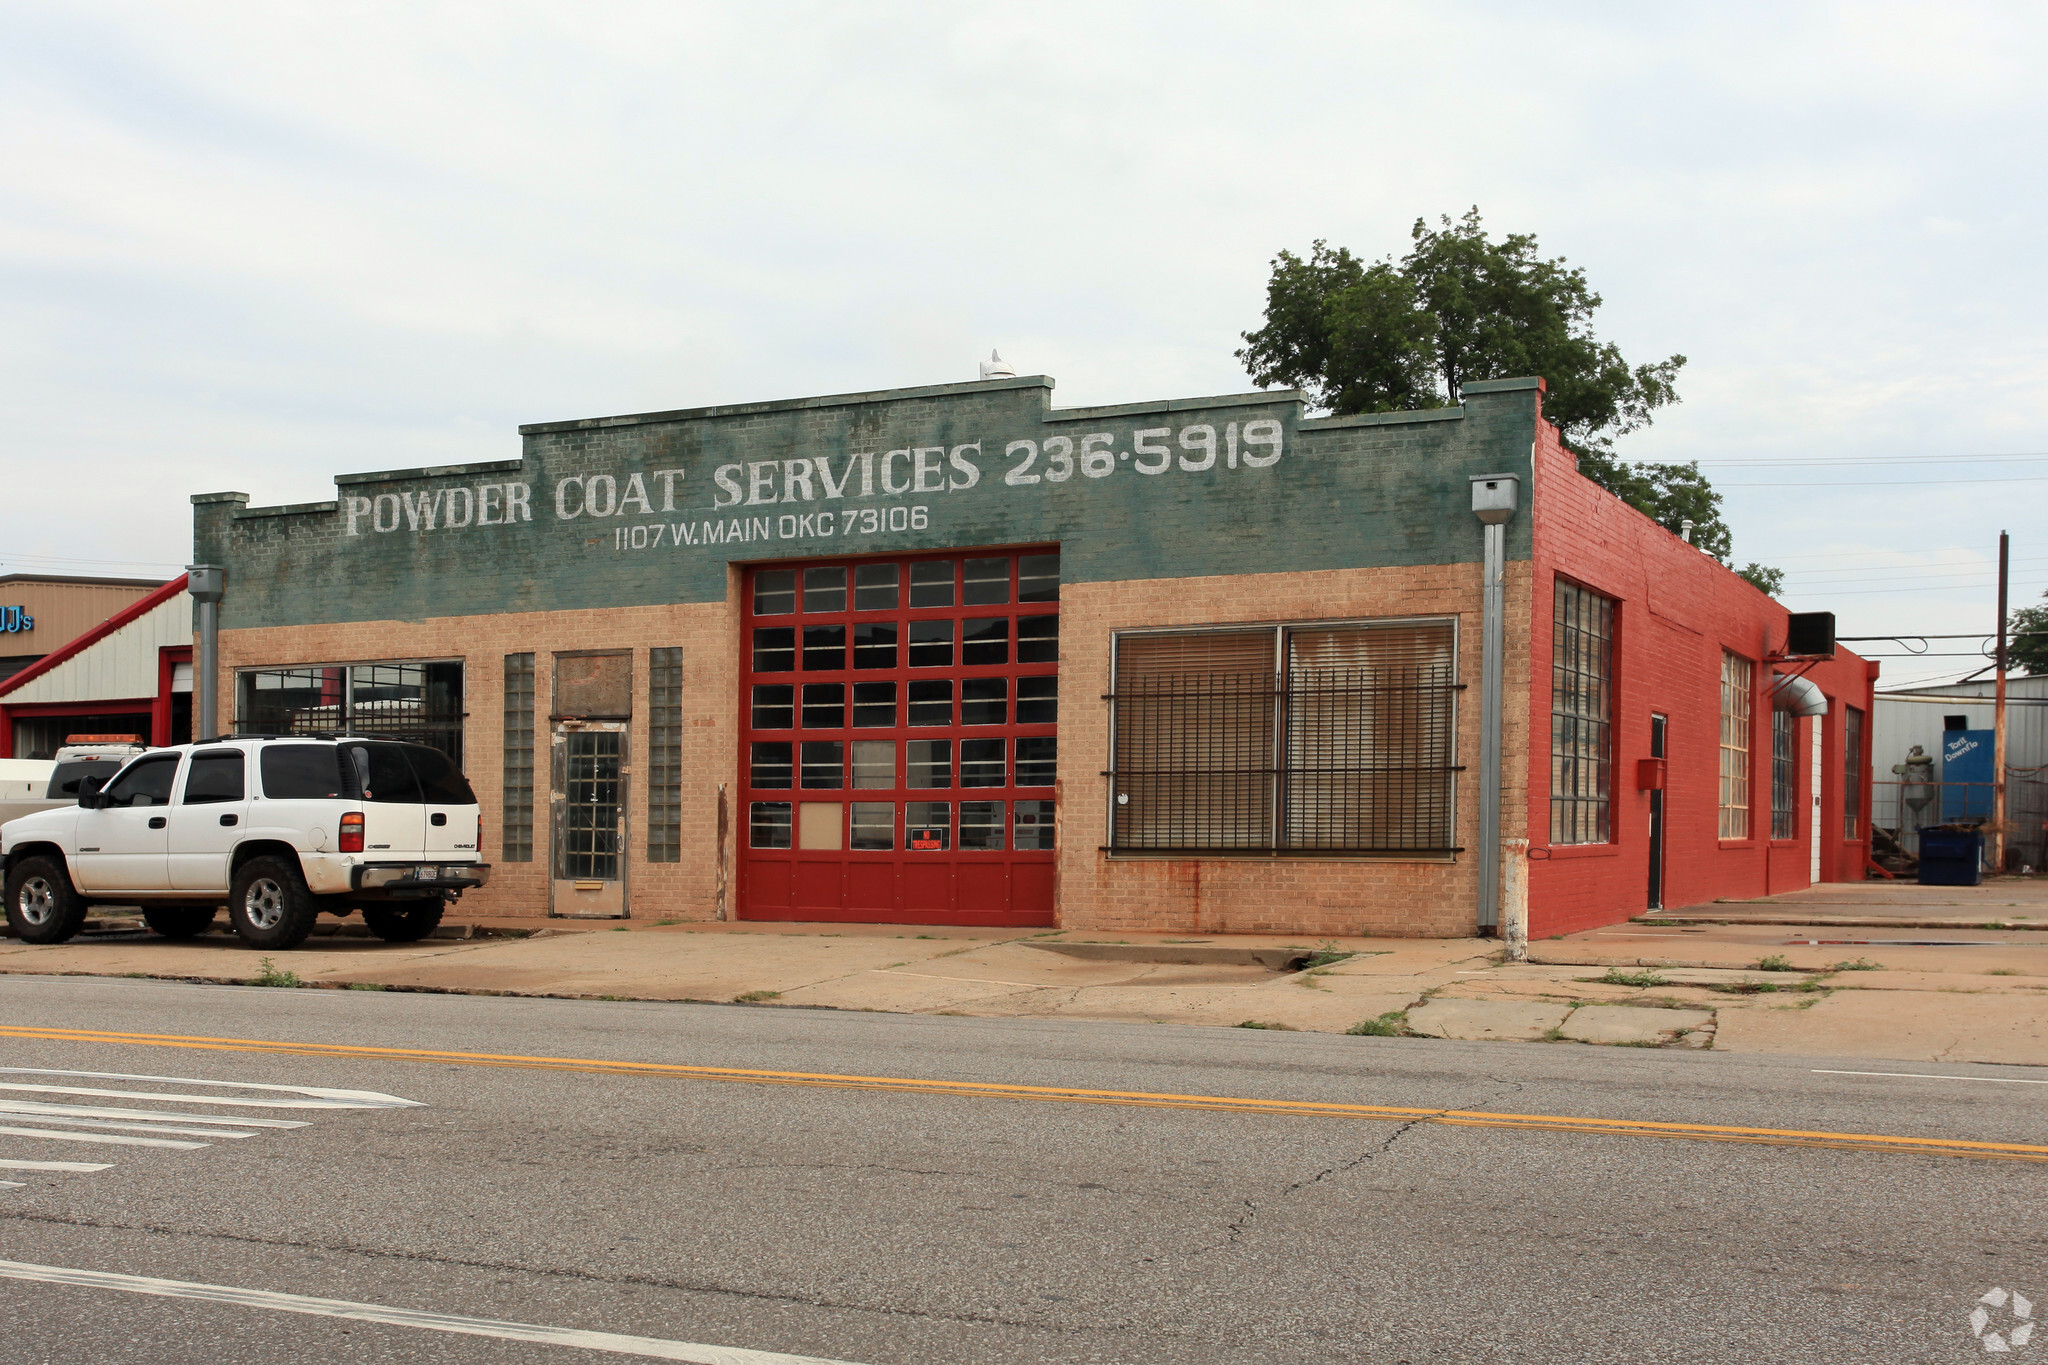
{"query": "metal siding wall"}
[(122, 666), (62, 611), (1902, 722)]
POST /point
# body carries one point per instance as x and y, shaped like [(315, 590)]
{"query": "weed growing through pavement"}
[(1995, 971), (268, 973), (1392, 1024), (1260, 1023), (1861, 964), (1776, 962), (1325, 956), (368, 986), (664, 923), (752, 996), (1553, 1034), (1617, 977)]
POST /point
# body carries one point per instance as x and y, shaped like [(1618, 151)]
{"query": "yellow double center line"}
[(1462, 1118)]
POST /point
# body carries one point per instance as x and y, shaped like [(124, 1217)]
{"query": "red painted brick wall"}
[(1677, 609)]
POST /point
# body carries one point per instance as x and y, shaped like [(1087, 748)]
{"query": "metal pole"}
[(1495, 499), (204, 582), (1998, 716), (1493, 609)]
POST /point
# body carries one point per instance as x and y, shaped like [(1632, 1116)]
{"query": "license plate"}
[(427, 874)]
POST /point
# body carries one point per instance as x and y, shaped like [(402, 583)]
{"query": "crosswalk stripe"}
[(323, 1097), (54, 1165), (110, 1139), (652, 1347), (160, 1098), (138, 1127), (37, 1108)]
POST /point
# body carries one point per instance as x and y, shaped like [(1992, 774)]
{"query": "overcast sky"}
[(252, 246)]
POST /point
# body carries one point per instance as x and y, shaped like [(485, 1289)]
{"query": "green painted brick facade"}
[(624, 511)]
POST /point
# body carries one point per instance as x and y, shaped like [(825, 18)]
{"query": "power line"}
[(1888, 483), (1858, 460), (11, 558), (1937, 567)]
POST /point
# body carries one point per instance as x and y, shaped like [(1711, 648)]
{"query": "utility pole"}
[(1998, 718)]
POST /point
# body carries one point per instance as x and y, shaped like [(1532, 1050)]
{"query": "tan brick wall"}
[(708, 635), (1211, 895), (1256, 895)]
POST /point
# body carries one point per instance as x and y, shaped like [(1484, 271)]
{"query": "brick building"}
[(953, 655)]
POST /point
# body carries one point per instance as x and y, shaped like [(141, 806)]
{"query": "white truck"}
[(280, 830), (28, 785)]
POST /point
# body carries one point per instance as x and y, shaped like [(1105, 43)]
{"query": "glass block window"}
[(1581, 715), (1736, 675), (664, 755), (515, 840)]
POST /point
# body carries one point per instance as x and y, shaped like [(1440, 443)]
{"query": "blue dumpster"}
[(1951, 857)]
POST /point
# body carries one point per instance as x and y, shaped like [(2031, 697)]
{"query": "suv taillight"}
[(352, 832), (479, 836)]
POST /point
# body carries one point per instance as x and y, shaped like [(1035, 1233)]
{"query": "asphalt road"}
[(892, 1227)]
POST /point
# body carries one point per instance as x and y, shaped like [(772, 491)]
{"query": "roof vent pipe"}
[(1685, 530), (1797, 694)]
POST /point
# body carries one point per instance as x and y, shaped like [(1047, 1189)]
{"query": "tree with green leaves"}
[(2027, 642), (1380, 336)]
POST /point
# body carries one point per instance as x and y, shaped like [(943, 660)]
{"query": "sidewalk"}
[(1821, 988)]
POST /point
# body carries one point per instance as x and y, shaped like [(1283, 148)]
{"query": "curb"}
[(1840, 922)]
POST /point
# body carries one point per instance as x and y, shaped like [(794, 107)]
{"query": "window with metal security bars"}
[(1581, 715), (665, 755), (1286, 740), (1784, 775), (1852, 773), (416, 701), (516, 842), (1736, 673), (591, 805)]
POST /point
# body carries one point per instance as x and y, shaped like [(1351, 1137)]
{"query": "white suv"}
[(279, 829)]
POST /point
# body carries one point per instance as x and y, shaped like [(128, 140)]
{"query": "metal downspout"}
[(203, 581), (1494, 502)]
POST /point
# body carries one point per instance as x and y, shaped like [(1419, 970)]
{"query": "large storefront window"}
[(1735, 712), (1581, 715), (419, 702), (1327, 739)]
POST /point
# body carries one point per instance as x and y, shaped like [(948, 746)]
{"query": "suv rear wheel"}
[(270, 906), (404, 921), (42, 905), (178, 921)]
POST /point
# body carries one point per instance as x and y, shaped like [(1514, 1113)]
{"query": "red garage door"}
[(900, 739)]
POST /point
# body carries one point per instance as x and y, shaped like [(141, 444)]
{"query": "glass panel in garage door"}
[(901, 739)]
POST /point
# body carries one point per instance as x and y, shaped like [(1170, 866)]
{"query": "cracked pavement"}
[(892, 1228)]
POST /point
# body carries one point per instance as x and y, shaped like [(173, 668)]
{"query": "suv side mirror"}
[(89, 791)]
